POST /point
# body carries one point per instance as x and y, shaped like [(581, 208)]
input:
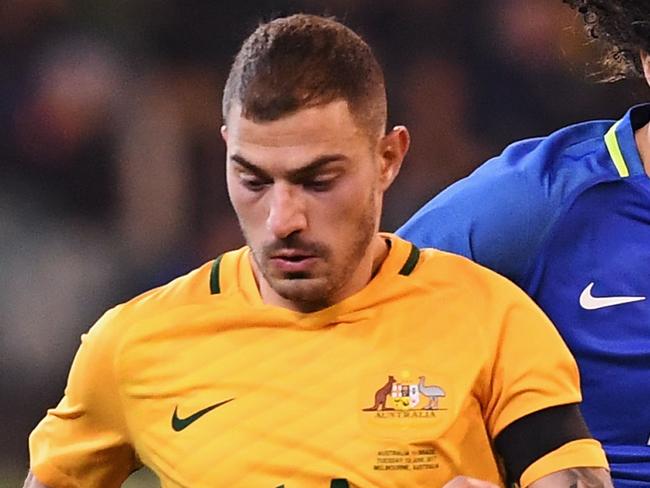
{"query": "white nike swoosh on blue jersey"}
[(590, 302)]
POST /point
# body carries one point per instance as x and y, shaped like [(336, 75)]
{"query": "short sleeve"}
[(532, 368), (83, 441)]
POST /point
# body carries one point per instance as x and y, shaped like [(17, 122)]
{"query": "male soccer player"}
[(567, 218), (325, 353)]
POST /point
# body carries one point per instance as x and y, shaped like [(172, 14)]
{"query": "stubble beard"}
[(311, 293)]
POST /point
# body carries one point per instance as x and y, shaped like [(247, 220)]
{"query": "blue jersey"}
[(567, 218)]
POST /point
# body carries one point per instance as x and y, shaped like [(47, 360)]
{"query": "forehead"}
[(298, 137)]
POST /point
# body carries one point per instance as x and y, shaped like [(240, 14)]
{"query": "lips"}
[(292, 261)]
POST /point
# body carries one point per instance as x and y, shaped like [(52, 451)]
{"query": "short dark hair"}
[(624, 27), (302, 61)]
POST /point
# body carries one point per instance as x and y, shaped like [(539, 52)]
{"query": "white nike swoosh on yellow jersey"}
[(590, 302)]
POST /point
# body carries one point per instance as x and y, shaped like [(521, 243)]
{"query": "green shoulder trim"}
[(615, 151), (339, 483), (214, 277), (411, 261)]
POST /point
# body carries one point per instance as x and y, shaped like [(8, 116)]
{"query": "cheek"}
[(348, 204), (248, 207)]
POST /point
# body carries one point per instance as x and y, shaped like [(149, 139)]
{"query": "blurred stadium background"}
[(111, 163)]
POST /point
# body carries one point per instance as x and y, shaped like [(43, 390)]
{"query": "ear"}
[(224, 133), (392, 149), (645, 62)]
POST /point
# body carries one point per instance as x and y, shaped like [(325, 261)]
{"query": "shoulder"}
[(556, 162), (490, 306), (478, 284), (118, 322), (191, 287), (499, 214)]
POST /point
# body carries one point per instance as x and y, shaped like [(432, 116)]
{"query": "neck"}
[(642, 138)]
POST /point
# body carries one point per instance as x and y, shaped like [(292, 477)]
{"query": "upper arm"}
[(531, 368), (533, 391), (547, 441), (83, 441)]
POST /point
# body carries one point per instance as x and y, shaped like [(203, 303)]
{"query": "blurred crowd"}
[(112, 166)]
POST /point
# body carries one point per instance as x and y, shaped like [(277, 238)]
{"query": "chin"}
[(303, 291)]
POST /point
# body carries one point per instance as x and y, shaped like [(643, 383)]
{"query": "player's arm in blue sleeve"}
[(497, 216)]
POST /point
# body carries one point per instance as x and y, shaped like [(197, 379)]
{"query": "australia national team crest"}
[(406, 404), (407, 399)]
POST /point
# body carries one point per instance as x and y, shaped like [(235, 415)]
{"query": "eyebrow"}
[(307, 169)]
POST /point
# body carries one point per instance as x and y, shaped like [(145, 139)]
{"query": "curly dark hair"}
[(624, 27)]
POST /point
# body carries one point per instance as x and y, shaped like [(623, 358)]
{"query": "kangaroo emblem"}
[(381, 395)]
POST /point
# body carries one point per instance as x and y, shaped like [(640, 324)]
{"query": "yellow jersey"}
[(405, 383)]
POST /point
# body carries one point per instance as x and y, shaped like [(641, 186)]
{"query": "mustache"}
[(295, 243)]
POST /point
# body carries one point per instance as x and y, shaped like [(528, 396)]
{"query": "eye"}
[(322, 183), (253, 183)]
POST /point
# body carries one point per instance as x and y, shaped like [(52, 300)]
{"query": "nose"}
[(287, 211)]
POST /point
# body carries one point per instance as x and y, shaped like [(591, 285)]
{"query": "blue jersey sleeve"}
[(497, 216)]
